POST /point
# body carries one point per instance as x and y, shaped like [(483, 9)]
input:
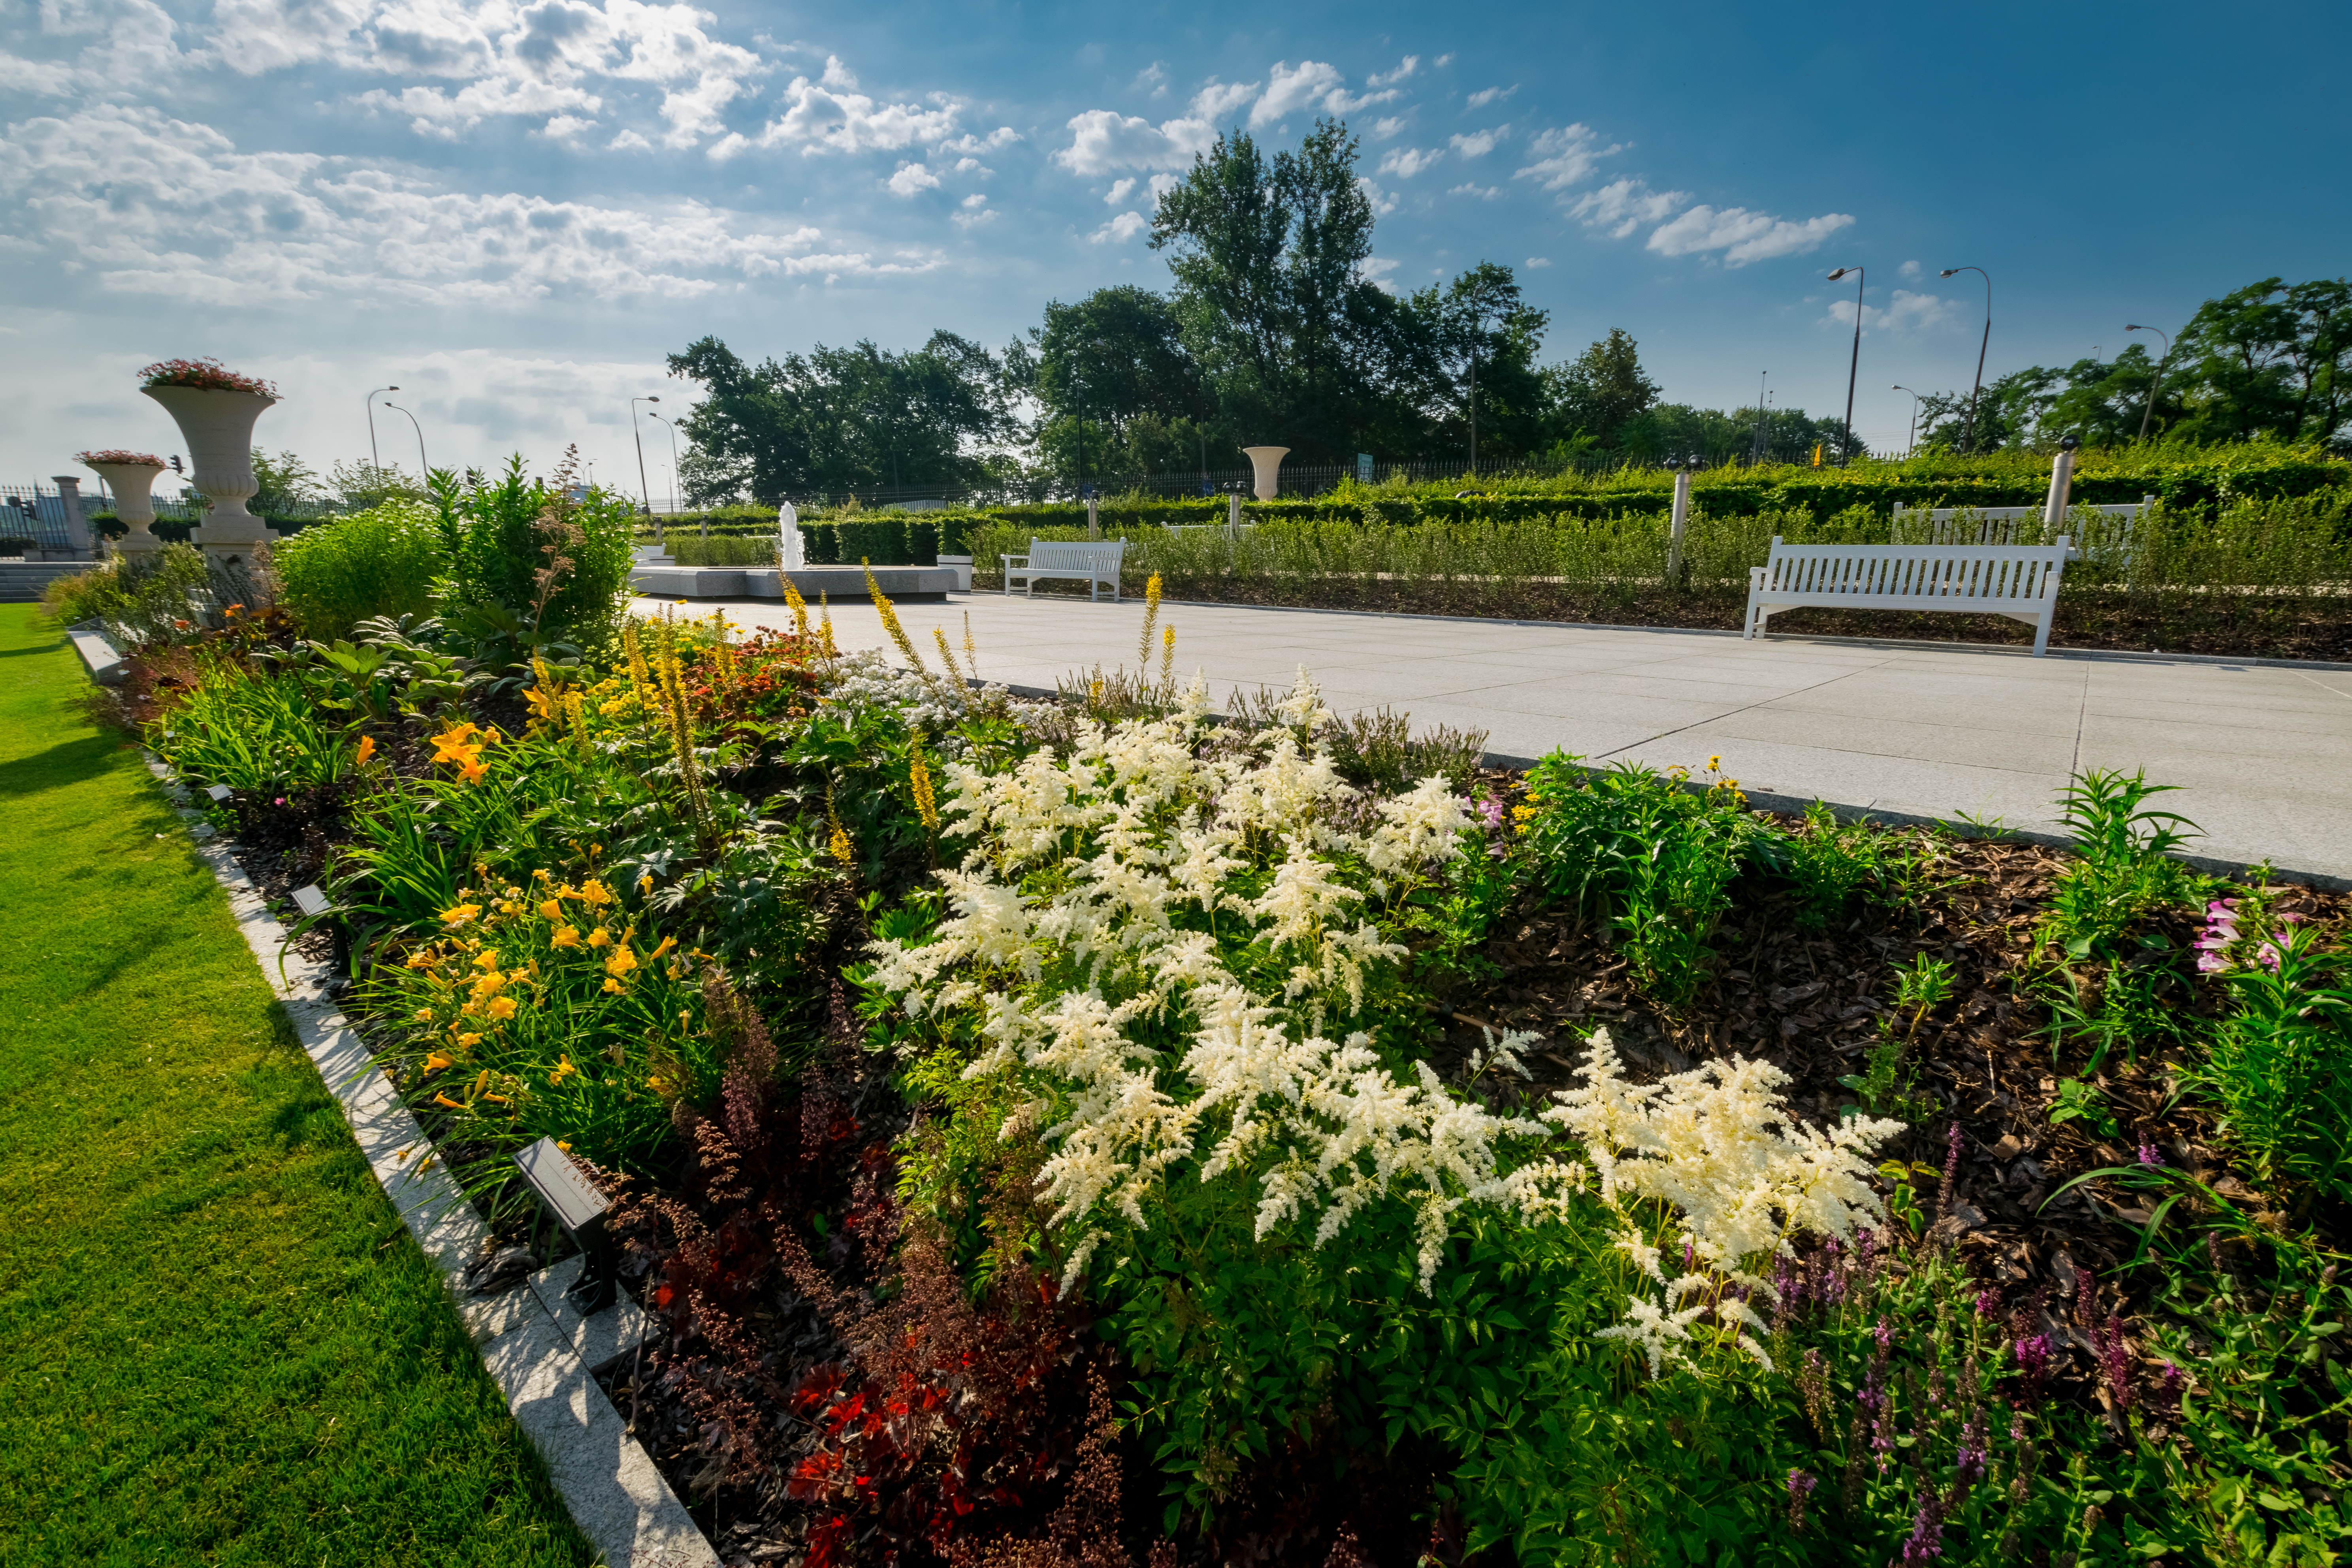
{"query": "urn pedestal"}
[(131, 483), (217, 426), (1267, 463)]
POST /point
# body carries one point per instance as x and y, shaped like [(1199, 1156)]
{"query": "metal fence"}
[(33, 512)]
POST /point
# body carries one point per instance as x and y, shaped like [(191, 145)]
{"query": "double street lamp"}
[(1853, 368), (2157, 379), (1968, 441)]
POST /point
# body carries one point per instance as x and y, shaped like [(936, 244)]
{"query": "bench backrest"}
[(1076, 554), (1976, 572), (2096, 529)]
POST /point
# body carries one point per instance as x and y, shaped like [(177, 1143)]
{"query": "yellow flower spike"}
[(592, 891), (563, 1070), (550, 911), (539, 875), (472, 772), (481, 1082), (498, 1100), (645, 883), (568, 937)]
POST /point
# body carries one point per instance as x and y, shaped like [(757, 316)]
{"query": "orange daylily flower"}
[(367, 749), (452, 1104), (438, 1060), (460, 915)]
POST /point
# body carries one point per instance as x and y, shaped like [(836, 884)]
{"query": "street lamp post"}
[(1854, 367), (421, 466), (673, 460), (1968, 441), (1913, 439), (369, 403), (645, 491), (2157, 379)]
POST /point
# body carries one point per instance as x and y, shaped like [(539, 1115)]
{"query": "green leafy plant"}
[(384, 562), (2280, 1065)]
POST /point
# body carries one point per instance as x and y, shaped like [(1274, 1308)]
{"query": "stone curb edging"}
[(608, 1482)]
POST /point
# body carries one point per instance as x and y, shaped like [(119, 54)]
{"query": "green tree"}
[(840, 419), (1121, 396), (2270, 359), (1475, 334), (1268, 257), (1602, 389), (286, 482)]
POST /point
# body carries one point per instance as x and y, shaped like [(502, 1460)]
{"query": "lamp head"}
[(1840, 272), (392, 389), (1948, 272), (2133, 327), (653, 400), (2069, 443)]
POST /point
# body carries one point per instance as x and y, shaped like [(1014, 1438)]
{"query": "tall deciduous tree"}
[(2270, 359), (858, 417), (1604, 388)]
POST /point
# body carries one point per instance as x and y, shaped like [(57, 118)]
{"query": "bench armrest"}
[(1015, 561), (1757, 575)]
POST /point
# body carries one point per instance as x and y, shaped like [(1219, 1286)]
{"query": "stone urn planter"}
[(130, 475), (1267, 462), (217, 425)]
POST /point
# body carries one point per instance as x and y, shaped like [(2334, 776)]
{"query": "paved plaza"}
[(2263, 751)]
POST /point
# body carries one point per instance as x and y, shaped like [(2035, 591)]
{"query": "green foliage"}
[(2280, 1066), (253, 732), (140, 600), (530, 548), (1657, 858), (385, 561), (1828, 863)]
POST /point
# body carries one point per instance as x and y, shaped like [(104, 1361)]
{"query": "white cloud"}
[(1405, 163), (1910, 269), (1120, 229), (1477, 144), (1403, 73), (150, 205), (1218, 98), (1153, 78), (1743, 235), (1163, 183), (1290, 88), (1488, 95), (1486, 193), (1118, 192), (910, 179), (1386, 128), (1621, 207), (1376, 272), (1905, 314), (1566, 157), (626, 140), (1444, 60), (1003, 136), (564, 127), (973, 212), (1382, 203), (1536, 261), (825, 116), (1103, 142)]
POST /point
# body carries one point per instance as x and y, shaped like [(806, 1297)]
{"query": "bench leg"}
[(2042, 631)]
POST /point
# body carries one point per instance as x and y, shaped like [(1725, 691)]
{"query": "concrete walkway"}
[(2263, 751)]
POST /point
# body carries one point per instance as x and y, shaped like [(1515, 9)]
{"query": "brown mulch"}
[(1810, 1002)]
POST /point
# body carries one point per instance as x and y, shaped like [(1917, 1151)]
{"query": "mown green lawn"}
[(217, 1342)]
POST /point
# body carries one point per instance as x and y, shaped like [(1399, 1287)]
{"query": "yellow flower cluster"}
[(462, 744)]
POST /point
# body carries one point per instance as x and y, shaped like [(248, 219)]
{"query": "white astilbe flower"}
[(1416, 829), (1657, 1333), (1304, 706)]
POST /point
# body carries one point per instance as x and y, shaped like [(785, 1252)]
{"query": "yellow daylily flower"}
[(613, 987), (459, 914), (621, 962), (502, 1008), (438, 1060), (551, 911), (600, 937), (568, 937)]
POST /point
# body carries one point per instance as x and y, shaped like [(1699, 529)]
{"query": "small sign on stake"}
[(312, 901), (579, 1209), (219, 791)]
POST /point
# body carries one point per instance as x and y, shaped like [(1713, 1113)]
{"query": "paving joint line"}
[(1746, 707)]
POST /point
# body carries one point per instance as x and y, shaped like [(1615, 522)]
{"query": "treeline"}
[(1272, 332)]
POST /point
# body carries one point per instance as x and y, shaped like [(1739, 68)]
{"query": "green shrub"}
[(253, 732), (382, 561), (501, 536), (2280, 1064), (156, 597)]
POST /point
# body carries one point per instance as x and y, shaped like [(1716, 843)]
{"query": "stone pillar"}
[(80, 545)]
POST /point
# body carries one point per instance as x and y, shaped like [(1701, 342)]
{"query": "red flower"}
[(206, 375)]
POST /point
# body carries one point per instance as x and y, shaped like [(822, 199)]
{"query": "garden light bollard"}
[(1681, 521), (217, 425), (580, 1210), (1233, 516), (1094, 517), (1267, 463), (2062, 482), (131, 484)]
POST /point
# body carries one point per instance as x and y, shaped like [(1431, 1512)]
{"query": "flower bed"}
[(205, 376), (115, 455), (1091, 1130)]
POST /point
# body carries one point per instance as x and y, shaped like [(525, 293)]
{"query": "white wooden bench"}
[(2096, 529), (1093, 561), (2019, 581)]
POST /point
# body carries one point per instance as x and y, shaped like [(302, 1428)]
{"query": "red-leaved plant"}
[(206, 375)]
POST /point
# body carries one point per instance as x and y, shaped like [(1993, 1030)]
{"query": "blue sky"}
[(514, 210)]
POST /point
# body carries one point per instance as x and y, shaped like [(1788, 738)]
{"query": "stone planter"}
[(217, 426), (131, 483), (1267, 462)]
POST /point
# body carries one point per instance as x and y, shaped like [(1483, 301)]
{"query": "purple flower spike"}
[(2149, 1157), (1989, 1301), (1800, 1486)]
